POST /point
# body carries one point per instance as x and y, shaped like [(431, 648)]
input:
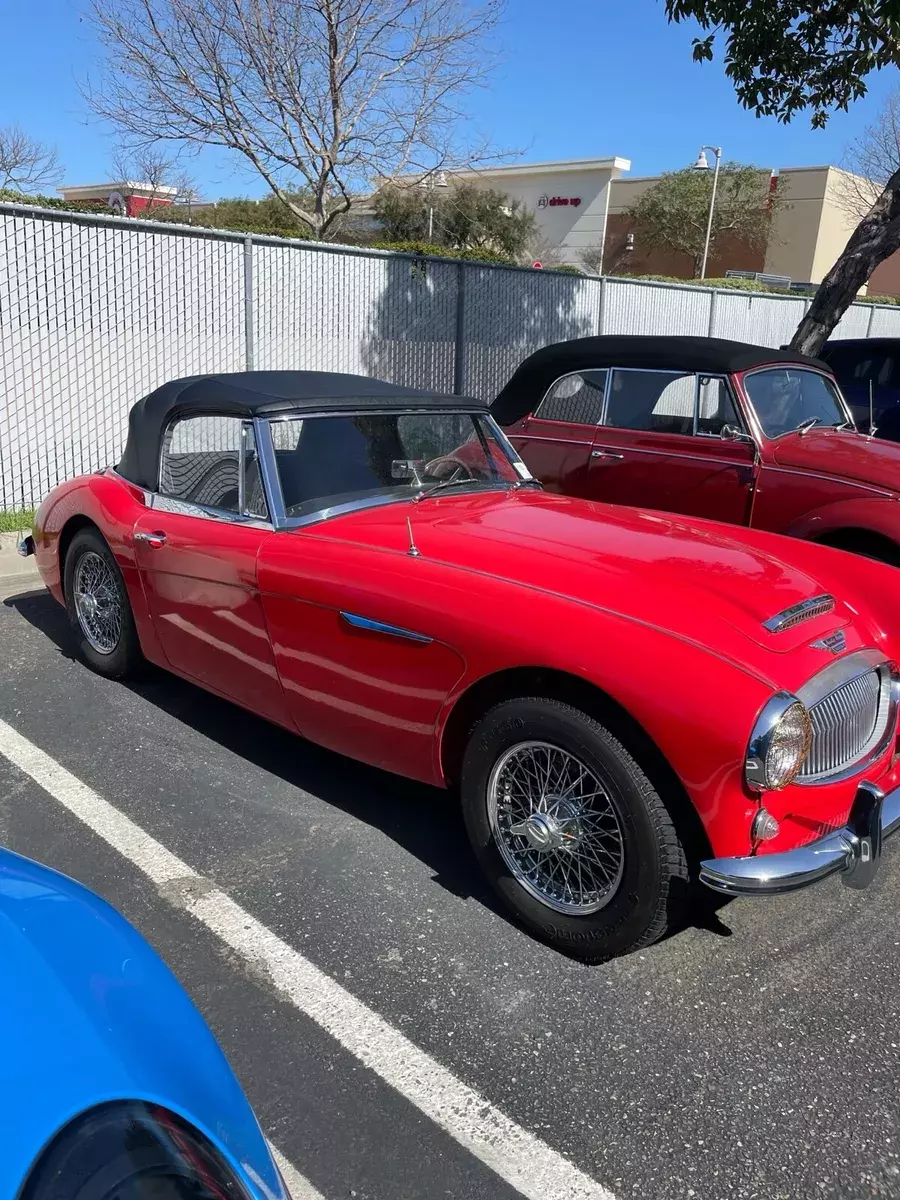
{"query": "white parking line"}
[(517, 1156), (298, 1186)]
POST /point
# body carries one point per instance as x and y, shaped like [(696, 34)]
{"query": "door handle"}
[(605, 454), (155, 539)]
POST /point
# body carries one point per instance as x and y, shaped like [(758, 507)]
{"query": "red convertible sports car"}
[(708, 428), (625, 700)]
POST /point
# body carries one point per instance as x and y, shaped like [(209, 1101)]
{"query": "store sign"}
[(556, 201)]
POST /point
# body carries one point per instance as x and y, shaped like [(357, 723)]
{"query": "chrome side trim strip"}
[(537, 437), (704, 438), (815, 606), (371, 626), (865, 487), (854, 850)]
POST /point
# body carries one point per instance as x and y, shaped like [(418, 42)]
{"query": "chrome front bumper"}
[(853, 850)]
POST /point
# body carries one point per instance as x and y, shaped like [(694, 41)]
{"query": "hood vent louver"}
[(816, 606)]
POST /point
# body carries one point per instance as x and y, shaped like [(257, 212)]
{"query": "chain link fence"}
[(97, 311)]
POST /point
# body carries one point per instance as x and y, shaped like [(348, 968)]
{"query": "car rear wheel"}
[(569, 830), (98, 607)]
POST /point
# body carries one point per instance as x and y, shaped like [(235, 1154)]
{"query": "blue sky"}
[(581, 78)]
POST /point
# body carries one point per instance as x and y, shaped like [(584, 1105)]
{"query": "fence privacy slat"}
[(97, 311)]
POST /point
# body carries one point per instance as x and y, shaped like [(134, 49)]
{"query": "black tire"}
[(867, 545), (124, 658), (654, 880)]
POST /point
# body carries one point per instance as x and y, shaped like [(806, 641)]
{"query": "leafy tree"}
[(316, 96), (463, 216), (784, 58), (674, 212)]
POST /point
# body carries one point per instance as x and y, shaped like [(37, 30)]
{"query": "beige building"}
[(581, 205), (571, 200)]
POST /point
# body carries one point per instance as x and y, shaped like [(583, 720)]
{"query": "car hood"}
[(837, 452), (91, 1014), (686, 576)]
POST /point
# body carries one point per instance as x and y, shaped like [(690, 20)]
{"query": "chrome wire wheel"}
[(556, 827), (98, 604)]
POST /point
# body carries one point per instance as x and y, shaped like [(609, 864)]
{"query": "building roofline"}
[(564, 164), (134, 189)]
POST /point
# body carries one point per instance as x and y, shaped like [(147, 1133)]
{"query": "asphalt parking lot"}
[(753, 1054)]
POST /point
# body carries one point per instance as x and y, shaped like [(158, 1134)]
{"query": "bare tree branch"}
[(870, 161), (25, 163), (317, 96)]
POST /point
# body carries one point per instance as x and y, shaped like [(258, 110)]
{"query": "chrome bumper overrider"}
[(854, 850)]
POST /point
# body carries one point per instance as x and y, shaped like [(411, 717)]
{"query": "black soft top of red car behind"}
[(263, 393), (714, 356)]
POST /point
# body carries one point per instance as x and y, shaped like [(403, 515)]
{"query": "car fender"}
[(113, 505), (879, 515), (94, 1016), (673, 689)]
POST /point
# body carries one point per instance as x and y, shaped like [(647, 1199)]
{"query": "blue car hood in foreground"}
[(89, 1013)]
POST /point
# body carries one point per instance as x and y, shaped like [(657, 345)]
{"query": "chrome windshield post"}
[(268, 469)]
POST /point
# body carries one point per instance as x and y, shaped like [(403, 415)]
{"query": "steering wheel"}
[(448, 467)]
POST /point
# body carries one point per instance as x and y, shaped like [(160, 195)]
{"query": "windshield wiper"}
[(845, 425), (446, 483), (806, 425)]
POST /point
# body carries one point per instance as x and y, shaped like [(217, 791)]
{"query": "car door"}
[(674, 441), (197, 550), (350, 611), (555, 440)]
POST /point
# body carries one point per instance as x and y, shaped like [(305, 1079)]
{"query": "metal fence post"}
[(713, 304), (459, 352), (871, 320), (601, 314), (249, 356)]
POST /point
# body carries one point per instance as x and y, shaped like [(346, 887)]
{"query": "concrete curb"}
[(12, 566)]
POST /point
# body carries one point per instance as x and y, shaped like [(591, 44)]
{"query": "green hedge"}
[(748, 285), (737, 285), (14, 520), (433, 251), (78, 206)]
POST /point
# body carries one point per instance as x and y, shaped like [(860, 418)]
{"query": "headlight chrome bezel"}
[(756, 771)]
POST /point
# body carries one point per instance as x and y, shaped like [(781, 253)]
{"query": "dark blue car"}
[(862, 365), (113, 1088)]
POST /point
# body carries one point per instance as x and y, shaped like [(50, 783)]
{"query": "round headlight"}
[(779, 744)]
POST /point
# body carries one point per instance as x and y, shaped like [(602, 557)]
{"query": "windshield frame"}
[(752, 414), (281, 520)]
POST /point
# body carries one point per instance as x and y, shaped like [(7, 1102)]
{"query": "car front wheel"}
[(98, 607), (569, 830)]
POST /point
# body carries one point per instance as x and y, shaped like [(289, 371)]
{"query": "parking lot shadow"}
[(425, 821)]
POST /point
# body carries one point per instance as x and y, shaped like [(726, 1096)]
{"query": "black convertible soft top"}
[(259, 393), (716, 356)]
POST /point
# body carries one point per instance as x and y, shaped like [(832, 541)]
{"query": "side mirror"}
[(731, 433)]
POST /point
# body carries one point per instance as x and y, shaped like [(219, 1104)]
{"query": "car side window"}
[(575, 399), (652, 401), (715, 407), (202, 460)]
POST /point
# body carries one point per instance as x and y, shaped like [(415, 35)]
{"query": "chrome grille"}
[(846, 724)]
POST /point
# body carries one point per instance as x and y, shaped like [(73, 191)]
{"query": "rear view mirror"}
[(407, 468), (731, 433)]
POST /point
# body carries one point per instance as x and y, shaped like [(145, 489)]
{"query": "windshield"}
[(786, 397), (328, 461)]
